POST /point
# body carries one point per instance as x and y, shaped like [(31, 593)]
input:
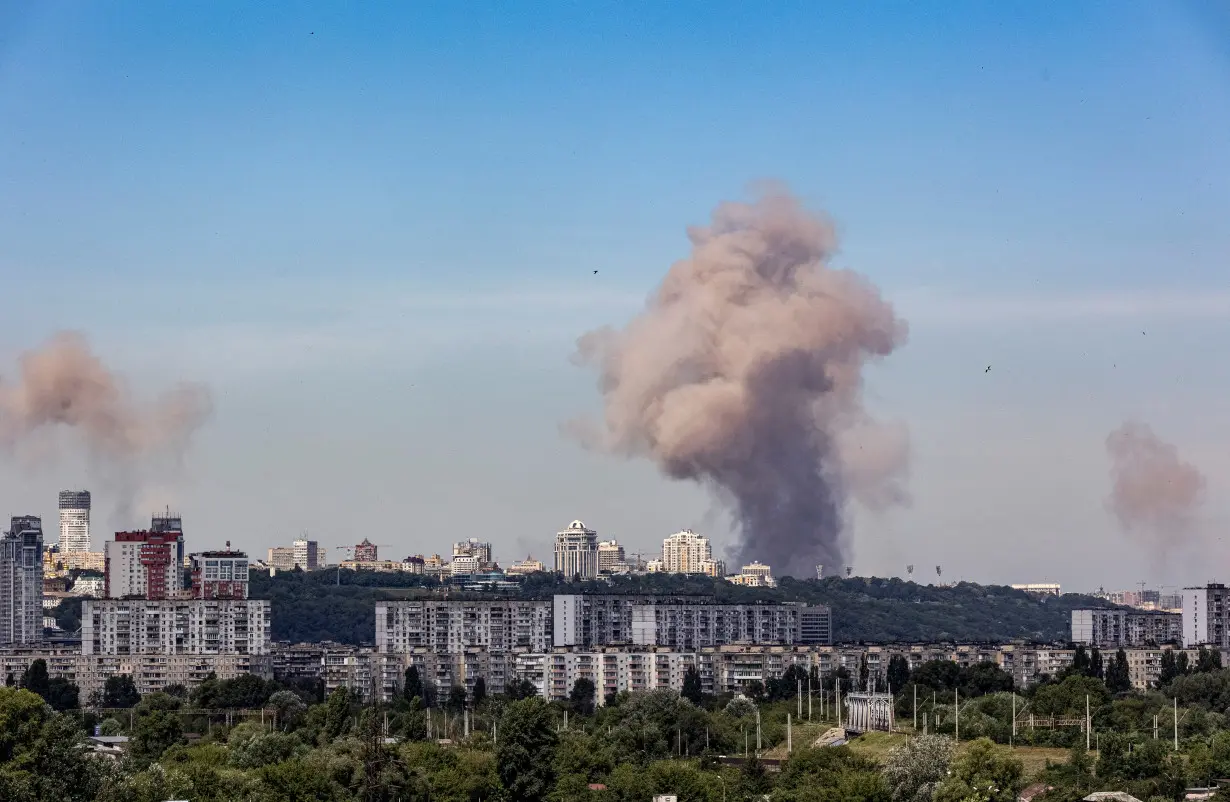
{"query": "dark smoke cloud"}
[(744, 372), (1155, 495), (63, 384)]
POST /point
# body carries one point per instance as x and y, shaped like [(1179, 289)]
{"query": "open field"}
[(877, 745)]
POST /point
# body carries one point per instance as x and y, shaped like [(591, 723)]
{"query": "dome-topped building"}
[(576, 551)]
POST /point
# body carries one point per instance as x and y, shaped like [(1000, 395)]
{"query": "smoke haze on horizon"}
[(1155, 495), (64, 384), (744, 373)]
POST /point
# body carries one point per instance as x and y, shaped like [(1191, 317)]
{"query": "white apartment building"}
[(576, 551), (754, 575), (448, 626), (686, 552), (1113, 629), (74, 521), (120, 627), (1206, 616), (145, 563), (611, 558), (1040, 588), (21, 582), (464, 565), (527, 566), (473, 547), (682, 622), (306, 554)]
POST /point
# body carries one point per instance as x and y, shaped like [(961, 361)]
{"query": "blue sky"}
[(373, 230)]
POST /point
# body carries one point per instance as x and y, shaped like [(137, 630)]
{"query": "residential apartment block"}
[(170, 627), (448, 626), (1113, 629), (220, 574), (576, 551), (21, 581), (683, 622), (1206, 616)]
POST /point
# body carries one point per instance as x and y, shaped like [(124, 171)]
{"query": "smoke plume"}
[(1155, 494), (63, 384), (744, 373)]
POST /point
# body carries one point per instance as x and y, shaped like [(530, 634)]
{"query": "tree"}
[(692, 690), (1095, 664), (155, 733), (35, 678), (456, 699), (480, 692), (914, 769), (520, 688), (898, 674), (525, 752), (1208, 660), (984, 771), (581, 698), (1168, 668), (120, 691), (337, 712), (289, 709), (1118, 677), (62, 695), (862, 672), (413, 686)]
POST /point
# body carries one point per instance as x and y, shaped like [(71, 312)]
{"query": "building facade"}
[(527, 566), (683, 622), (576, 551), (1206, 616), (1113, 629), (120, 627), (366, 552), (754, 575), (21, 582), (145, 563), (611, 558), (306, 554), (473, 547), (686, 552), (220, 574), (74, 521), (281, 558), (448, 626)]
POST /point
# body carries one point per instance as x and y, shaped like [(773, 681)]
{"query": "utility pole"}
[(1013, 719), (915, 707), (1086, 722), (837, 702), (956, 706), (800, 696), (1176, 724), (758, 732), (809, 697), (789, 735)]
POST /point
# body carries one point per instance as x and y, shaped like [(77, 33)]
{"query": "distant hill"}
[(313, 607)]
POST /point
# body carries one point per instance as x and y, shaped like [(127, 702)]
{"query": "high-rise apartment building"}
[(1206, 616), (1112, 629), (611, 558), (74, 521), (365, 552), (479, 550), (306, 554), (576, 551), (220, 574), (146, 563), (683, 622), (21, 581), (170, 627), (686, 553), (448, 626)]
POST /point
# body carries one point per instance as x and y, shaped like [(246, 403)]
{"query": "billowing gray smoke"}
[(744, 372), (1155, 495), (64, 384)]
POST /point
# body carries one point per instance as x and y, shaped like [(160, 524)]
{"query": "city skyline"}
[(382, 287)]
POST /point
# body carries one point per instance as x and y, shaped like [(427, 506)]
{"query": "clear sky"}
[(372, 230)]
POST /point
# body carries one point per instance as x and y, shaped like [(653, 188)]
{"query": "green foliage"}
[(120, 691), (1117, 677), (693, 691), (525, 751), (983, 772), (581, 698)]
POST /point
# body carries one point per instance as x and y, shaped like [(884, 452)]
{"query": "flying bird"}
[(988, 370)]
